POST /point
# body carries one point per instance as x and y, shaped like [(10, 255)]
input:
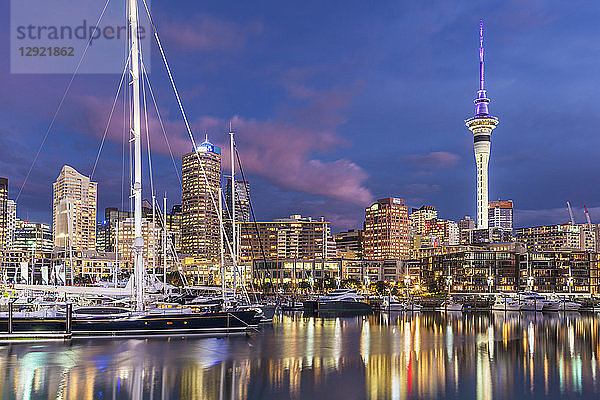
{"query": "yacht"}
[(534, 302), (343, 300), (564, 304), (505, 302), (391, 303), (450, 305)]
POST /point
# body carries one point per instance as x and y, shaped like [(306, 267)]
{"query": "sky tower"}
[(482, 125)]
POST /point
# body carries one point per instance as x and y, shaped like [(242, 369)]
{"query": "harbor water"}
[(380, 356)]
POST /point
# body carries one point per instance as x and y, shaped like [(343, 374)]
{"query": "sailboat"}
[(138, 320)]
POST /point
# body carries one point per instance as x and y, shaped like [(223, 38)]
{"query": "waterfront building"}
[(24, 266), (500, 214), (481, 125), (3, 212), (510, 268), (418, 218), (201, 182), (557, 237), (74, 210), (350, 242), (293, 271), (199, 271), (295, 237), (33, 237), (387, 230), (370, 271), (11, 223)]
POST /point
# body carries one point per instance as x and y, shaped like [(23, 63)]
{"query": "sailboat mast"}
[(233, 225), (138, 241)]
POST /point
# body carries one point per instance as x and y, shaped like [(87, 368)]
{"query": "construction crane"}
[(593, 232), (587, 215), (571, 213)]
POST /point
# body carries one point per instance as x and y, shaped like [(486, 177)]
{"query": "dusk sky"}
[(338, 103)]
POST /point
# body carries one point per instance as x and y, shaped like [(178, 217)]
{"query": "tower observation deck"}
[(482, 125)]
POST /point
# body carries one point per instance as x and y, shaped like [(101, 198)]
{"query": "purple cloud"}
[(435, 160)]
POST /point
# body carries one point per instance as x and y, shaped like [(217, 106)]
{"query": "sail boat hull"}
[(214, 323), (142, 324)]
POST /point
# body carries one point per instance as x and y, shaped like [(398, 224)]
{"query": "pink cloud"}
[(277, 150)]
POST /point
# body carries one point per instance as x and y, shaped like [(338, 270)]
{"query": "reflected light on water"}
[(395, 356)]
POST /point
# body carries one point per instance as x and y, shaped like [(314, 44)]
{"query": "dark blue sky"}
[(338, 103)]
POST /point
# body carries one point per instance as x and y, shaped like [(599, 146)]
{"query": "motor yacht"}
[(343, 300), (505, 302)]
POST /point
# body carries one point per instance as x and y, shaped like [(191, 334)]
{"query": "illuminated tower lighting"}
[(482, 125)]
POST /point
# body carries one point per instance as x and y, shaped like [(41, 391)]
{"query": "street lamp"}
[(449, 280), (530, 283)]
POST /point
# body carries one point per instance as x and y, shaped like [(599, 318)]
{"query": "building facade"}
[(33, 237), (387, 230), (201, 180), (125, 233), (295, 237), (418, 218), (510, 269), (174, 228), (557, 237), (3, 213), (350, 242), (11, 223), (500, 214), (242, 200), (74, 210)]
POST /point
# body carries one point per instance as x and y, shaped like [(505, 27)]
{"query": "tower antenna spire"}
[(481, 60)]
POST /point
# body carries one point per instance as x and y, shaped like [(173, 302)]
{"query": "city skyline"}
[(323, 132)]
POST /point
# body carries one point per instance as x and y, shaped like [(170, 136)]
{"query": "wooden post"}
[(69, 318), (10, 317)]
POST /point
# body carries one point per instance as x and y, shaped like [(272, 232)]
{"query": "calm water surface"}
[(429, 355)]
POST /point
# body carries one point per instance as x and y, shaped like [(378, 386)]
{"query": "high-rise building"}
[(201, 182), (114, 216), (125, 233), (242, 200), (3, 212), (33, 237), (501, 214), (11, 223), (419, 216), (295, 238), (482, 125), (74, 210), (386, 230), (174, 227)]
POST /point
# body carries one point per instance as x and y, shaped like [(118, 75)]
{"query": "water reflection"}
[(397, 356)]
